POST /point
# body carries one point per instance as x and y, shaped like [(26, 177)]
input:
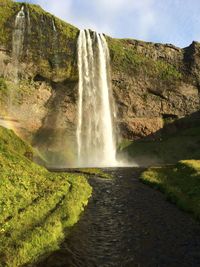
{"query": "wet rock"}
[(150, 81)]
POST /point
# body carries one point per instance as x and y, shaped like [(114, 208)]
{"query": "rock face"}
[(152, 83)]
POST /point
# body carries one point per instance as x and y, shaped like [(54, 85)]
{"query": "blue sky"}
[(164, 21)]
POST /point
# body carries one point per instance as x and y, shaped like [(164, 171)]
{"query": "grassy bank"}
[(180, 183), (169, 149), (37, 208)]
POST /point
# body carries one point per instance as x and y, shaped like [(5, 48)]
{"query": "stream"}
[(128, 224)]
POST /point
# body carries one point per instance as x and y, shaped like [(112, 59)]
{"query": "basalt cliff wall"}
[(153, 84)]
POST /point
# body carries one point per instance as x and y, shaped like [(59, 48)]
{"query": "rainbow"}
[(10, 123)]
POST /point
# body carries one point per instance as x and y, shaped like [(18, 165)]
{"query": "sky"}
[(163, 21)]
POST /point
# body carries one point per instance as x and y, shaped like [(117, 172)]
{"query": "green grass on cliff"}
[(169, 149), (180, 183), (7, 11), (3, 85), (4, 91), (52, 52), (37, 208), (127, 59), (55, 52)]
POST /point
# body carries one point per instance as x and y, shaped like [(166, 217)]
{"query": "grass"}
[(37, 208), (127, 59), (56, 50), (169, 149), (7, 11), (53, 53), (4, 93), (180, 183), (3, 85)]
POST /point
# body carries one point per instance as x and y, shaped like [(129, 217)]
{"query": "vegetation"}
[(169, 148), (56, 49), (4, 92), (9, 92), (166, 71), (37, 208), (6, 12), (54, 53), (3, 85), (180, 183), (125, 57)]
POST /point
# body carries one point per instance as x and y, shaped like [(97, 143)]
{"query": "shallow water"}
[(129, 224)]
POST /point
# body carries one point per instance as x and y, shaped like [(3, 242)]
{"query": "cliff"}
[(153, 84)]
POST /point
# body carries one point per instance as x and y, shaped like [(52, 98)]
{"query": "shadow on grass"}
[(177, 140)]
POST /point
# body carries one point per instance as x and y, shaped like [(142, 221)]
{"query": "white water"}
[(18, 40), (18, 34), (54, 26), (95, 135), (29, 21)]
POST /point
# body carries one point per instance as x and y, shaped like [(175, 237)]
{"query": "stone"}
[(151, 82)]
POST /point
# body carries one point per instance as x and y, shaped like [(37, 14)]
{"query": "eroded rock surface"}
[(152, 83)]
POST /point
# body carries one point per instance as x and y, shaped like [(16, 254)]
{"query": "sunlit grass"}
[(37, 208), (180, 183)]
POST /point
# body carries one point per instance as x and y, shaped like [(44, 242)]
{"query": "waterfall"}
[(95, 135), (55, 46), (29, 21), (54, 26), (18, 40), (18, 34)]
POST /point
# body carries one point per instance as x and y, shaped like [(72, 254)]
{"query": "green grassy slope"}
[(37, 208), (184, 144), (180, 183)]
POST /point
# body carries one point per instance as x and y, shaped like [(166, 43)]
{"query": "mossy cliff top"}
[(146, 59), (164, 62), (49, 43), (37, 208), (149, 80)]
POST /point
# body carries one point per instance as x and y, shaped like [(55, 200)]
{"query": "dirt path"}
[(129, 224)]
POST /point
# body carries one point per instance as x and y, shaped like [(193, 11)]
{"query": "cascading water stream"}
[(95, 131), (54, 26), (18, 40), (55, 45)]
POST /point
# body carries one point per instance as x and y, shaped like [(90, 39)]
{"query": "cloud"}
[(119, 5), (147, 21), (103, 15), (61, 8), (123, 16)]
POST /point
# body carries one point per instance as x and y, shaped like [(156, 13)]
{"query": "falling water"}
[(95, 134), (55, 46), (29, 21), (54, 26), (18, 39)]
